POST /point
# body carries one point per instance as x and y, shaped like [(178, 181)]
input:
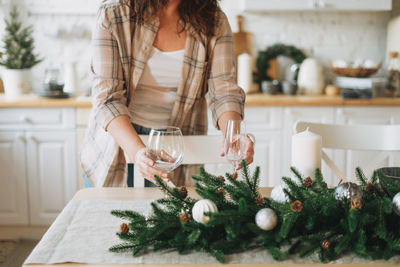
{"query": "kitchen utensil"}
[(270, 87), (355, 72), (241, 39), (289, 87)]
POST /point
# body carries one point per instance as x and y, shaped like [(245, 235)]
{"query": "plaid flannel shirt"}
[(121, 49)]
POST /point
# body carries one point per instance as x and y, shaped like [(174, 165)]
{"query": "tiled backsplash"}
[(330, 35)]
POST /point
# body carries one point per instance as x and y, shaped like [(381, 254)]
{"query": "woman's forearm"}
[(125, 135), (223, 119)]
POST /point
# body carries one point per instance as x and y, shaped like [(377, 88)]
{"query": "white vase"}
[(71, 80), (16, 82), (311, 77)]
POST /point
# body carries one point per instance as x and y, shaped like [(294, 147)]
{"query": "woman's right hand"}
[(146, 168)]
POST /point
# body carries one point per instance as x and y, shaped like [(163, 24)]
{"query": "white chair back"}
[(385, 138), (199, 149)]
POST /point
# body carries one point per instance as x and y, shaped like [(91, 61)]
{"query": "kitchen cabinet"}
[(51, 173), (38, 163), (13, 183), (315, 5)]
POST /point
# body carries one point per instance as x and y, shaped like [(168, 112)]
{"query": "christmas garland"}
[(234, 217), (263, 58)]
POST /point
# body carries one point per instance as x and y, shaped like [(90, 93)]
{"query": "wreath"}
[(273, 51)]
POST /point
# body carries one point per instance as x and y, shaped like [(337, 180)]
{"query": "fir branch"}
[(297, 174), (361, 177), (124, 247), (128, 214)]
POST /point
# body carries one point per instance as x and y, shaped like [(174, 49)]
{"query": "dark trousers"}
[(140, 130)]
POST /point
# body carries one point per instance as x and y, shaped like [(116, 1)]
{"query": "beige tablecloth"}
[(85, 230)]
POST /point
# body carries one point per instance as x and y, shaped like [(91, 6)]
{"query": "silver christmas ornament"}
[(278, 195), (266, 219), (348, 191), (396, 203)]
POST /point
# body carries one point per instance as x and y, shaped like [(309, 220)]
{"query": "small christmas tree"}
[(18, 44)]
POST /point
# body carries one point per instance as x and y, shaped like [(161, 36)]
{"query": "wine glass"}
[(235, 142), (165, 147)]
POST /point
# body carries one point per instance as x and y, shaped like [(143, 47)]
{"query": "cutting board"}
[(241, 39)]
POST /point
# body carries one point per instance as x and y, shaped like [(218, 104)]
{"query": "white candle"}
[(306, 152), (245, 75)]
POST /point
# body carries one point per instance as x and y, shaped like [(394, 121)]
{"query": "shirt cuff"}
[(107, 112), (226, 106)]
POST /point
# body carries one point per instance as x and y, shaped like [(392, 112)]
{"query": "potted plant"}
[(17, 56)]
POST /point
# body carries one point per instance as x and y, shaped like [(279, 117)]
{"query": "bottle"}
[(393, 74)]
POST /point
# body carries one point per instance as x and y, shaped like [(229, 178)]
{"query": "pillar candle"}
[(306, 152), (245, 75)]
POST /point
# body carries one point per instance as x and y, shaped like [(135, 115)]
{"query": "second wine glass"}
[(235, 142)]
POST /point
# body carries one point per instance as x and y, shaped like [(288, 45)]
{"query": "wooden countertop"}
[(32, 100), (318, 100), (258, 99)]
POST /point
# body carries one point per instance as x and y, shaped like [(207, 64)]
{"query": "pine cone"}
[(184, 217), (220, 190), (308, 182), (234, 175), (356, 203), (325, 244), (221, 178), (369, 186), (259, 200), (184, 191), (124, 228), (296, 206)]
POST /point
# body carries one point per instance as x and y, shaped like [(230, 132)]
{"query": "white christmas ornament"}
[(278, 195), (202, 206), (266, 219), (396, 203)]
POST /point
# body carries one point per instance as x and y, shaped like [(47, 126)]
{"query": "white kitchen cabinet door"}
[(315, 5), (51, 161), (348, 160), (291, 115), (13, 189)]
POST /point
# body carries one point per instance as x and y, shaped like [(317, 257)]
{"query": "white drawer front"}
[(32, 118)]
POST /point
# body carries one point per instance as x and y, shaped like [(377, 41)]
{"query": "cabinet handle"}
[(24, 119), (33, 139), (21, 137)]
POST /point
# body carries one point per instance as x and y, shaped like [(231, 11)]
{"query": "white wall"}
[(323, 35)]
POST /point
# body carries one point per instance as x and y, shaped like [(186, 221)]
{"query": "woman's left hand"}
[(246, 144)]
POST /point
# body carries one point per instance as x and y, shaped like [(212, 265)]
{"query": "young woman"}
[(156, 62)]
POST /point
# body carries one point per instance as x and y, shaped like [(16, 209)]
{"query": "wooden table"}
[(154, 193)]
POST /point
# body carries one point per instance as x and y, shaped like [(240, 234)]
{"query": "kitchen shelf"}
[(315, 5)]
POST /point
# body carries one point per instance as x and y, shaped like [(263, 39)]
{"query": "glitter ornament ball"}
[(396, 203), (266, 219), (278, 195), (348, 191), (202, 206)]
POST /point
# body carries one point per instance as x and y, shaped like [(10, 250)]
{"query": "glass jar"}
[(51, 81), (393, 74)]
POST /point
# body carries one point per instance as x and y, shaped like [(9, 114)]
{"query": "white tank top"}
[(155, 94)]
